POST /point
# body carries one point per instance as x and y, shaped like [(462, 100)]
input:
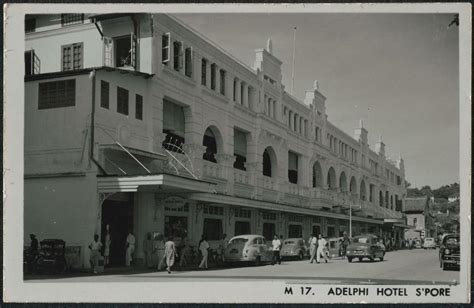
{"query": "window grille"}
[(72, 56), (243, 213), (165, 48), (56, 94), (213, 210)]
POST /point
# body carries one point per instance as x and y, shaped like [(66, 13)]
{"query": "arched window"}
[(317, 175), (210, 142), (343, 182), (331, 178), (362, 191), (268, 162), (353, 186)]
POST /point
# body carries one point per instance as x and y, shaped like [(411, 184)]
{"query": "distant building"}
[(138, 122), (419, 218)]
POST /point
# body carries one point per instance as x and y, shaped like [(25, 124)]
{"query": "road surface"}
[(402, 267)]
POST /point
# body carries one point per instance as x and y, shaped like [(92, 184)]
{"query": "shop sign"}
[(173, 202)]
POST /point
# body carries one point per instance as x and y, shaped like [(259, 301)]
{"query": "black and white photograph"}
[(237, 153)]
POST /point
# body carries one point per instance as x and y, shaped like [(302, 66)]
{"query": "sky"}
[(397, 72)]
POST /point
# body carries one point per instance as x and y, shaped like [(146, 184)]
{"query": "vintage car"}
[(294, 248), (365, 246), (449, 251), (429, 243), (250, 248), (417, 243)]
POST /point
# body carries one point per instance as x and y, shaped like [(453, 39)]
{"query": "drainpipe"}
[(92, 76)]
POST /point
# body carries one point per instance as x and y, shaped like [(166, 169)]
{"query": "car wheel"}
[(349, 259), (257, 261), (381, 258)]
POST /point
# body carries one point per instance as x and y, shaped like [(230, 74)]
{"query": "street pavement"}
[(401, 267)]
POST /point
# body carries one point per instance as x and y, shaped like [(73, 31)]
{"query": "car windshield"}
[(362, 240), (289, 242), (239, 240), (452, 240)]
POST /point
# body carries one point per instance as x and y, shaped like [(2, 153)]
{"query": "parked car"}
[(294, 248), (417, 243), (51, 257), (248, 248), (429, 243), (365, 246), (449, 251)]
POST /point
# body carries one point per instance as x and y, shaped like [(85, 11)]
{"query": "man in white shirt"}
[(129, 248), (276, 245), (321, 249), (204, 248), (313, 243)]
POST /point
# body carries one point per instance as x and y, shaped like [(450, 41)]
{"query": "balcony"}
[(211, 170), (242, 185), (241, 177)]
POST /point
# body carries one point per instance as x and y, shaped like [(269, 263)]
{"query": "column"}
[(245, 98), (218, 79), (238, 98)]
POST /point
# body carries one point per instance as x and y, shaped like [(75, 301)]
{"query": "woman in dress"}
[(170, 254), (107, 243)]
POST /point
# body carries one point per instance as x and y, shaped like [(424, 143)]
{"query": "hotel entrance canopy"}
[(152, 183)]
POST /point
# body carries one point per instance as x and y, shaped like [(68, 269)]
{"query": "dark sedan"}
[(449, 252), (365, 246)]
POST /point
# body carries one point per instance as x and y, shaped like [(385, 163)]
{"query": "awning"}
[(269, 206), (152, 182)]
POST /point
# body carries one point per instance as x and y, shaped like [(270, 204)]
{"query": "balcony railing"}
[(268, 182), (241, 177), (211, 170)]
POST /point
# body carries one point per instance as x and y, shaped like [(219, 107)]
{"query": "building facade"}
[(419, 218), (138, 122)]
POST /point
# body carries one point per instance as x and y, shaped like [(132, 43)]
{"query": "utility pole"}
[(293, 66)]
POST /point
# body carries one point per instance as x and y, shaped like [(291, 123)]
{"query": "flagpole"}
[(293, 66)]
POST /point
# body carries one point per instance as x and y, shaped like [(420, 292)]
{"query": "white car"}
[(429, 243)]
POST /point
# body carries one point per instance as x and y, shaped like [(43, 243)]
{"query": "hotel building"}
[(139, 122)]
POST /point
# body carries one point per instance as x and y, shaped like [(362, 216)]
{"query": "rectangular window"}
[(71, 19), (123, 51), (122, 101), (56, 94), (203, 72), (104, 94), (222, 81), (188, 62), (30, 25), (177, 56), (29, 58), (295, 231), (213, 210), (213, 76), (138, 107), (176, 226), (243, 213), (72, 56), (234, 89), (269, 230), (242, 227), (212, 229), (165, 48)]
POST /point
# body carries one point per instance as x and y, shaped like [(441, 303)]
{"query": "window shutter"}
[(133, 51), (108, 51)]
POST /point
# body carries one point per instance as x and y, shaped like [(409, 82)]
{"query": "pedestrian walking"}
[(276, 246), (313, 243), (170, 254), (95, 246), (107, 243), (345, 243), (160, 250), (129, 248), (204, 249), (148, 249), (321, 250)]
